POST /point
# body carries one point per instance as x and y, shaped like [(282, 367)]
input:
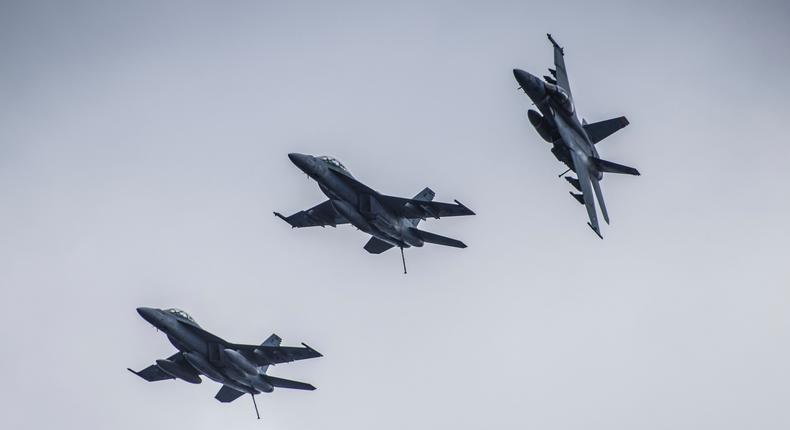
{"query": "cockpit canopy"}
[(334, 163), (560, 96), (180, 313), (563, 99)]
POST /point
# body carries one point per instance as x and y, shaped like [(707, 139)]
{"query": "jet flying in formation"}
[(392, 221), (241, 369), (573, 142)]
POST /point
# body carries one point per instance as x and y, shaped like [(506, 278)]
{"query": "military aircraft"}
[(573, 141), (241, 369), (392, 221)]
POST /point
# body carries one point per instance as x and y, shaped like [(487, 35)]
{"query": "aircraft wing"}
[(587, 193), (320, 215), (287, 383), (264, 355), (411, 208), (153, 373), (559, 67)]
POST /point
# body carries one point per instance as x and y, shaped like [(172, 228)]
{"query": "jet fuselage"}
[(356, 202), (235, 370)]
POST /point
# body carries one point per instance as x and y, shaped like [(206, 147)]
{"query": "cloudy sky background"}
[(143, 148)]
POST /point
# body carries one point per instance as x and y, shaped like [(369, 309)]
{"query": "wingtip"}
[(311, 349), (471, 212), (279, 215)]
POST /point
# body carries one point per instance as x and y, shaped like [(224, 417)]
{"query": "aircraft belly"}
[(188, 341), (335, 188), (390, 230), (386, 234), (247, 382), (350, 213), (384, 237), (570, 137), (383, 225), (202, 365), (334, 194)]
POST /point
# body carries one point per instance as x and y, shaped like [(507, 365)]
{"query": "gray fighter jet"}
[(392, 221), (241, 369), (573, 141)]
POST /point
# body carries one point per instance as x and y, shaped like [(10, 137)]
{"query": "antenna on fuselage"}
[(256, 406), (402, 257)]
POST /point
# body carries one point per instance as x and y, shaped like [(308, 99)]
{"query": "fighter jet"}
[(392, 221), (573, 142), (241, 369)]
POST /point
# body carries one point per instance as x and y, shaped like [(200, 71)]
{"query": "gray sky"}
[(143, 147)]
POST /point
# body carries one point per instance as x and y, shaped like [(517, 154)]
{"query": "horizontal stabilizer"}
[(437, 239), (574, 182), (599, 131), (227, 394), (609, 167), (287, 383), (377, 246), (579, 198)]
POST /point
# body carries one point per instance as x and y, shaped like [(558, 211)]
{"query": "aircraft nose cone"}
[(148, 314), (522, 77), (302, 161), (293, 156), (533, 86)]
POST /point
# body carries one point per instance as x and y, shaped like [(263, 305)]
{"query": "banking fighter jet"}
[(241, 369), (573, 142), (392, 221)]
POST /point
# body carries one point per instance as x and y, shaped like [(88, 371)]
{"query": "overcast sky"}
[(143, 149)]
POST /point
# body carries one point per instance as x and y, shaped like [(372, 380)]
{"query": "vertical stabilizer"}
[(425, 195), (272, 340)]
